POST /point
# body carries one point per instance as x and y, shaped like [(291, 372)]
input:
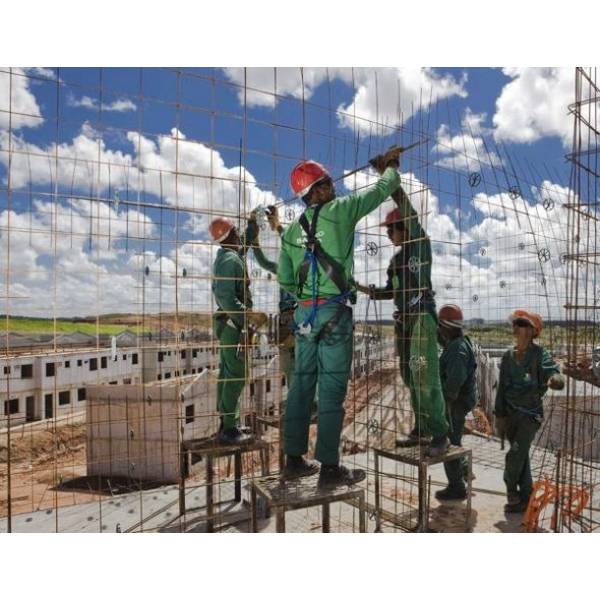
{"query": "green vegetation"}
[(27, 325)]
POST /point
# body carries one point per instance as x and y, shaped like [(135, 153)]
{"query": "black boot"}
[(438, 447), (414, 438), (334, 475), (451, 493), (298, 466), (514, 503), (233, 436)]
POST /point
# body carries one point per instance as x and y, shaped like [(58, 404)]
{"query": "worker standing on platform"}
[(459, 386), (316, 264), (526, 372), (287, 301), (409, 285), (233, 324)]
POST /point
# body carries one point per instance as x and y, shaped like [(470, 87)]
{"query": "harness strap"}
[(333, 270)]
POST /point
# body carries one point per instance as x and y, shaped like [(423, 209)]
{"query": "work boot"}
[(298, 466), (451, 493), (334, 475), (519, 507), (514, 504), (233, 436), (414, 438), (438, 447)]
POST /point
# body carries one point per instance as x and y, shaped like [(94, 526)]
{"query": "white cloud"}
[(119, 105), (468, 150), (385, 95), (18, 106), (535, 105)]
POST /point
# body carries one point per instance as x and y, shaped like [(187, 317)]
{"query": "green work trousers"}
[(457, 470), (520, 433), (232, 375), (286, 364), (416, 344), (323, 360)]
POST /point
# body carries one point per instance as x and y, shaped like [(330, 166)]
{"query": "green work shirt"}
[(457, 372), (409, 271), (523, 384), (231, 285), (335, 232)]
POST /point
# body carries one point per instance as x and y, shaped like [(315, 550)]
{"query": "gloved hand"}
[(500, 425), (273, 218), (252, 230), (556, 382), (390, 158)]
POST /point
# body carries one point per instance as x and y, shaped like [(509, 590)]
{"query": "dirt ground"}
[(39, 463)]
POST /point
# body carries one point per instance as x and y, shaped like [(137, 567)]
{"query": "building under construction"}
[(109, 359)]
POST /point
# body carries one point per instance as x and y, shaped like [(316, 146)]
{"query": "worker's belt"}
[(317, 301)]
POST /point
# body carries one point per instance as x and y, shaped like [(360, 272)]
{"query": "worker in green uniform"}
[(459, 386), (526, 372), (316, 264), (409, 285), (233, 324), (287, 301)]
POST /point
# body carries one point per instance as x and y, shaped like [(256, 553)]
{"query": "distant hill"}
[(109, 324)]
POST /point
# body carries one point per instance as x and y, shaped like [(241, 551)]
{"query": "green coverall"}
[(287, 304), (409, 285), (521, 390), (459, 386), (323, 357), (231, 288)]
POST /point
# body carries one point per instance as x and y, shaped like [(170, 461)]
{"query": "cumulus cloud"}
[(500, 260), (18, 106), (119, 105), (384, 97), (534, 104), (468, 150)]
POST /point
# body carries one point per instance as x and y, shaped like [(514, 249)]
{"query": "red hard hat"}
[(531, 317), (305, 174), (219, 228), (394, 216), (451, 315)]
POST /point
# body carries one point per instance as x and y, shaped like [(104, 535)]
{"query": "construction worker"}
[(526, 372), (457, 375), (287, 301), (316, 264), (409, 285), (233, 325)]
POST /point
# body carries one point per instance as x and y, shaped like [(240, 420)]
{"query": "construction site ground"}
[(158, 509)]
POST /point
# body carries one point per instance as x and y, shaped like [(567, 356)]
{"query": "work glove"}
[(390, 158), (252, 230), (500, 425), (556, 382), (273, 218)]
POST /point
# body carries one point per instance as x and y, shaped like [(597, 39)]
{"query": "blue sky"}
[(508, 126)]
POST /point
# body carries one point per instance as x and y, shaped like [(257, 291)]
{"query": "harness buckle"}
[(304, 329)]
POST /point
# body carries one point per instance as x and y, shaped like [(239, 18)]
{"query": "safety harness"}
[(314, 256)]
